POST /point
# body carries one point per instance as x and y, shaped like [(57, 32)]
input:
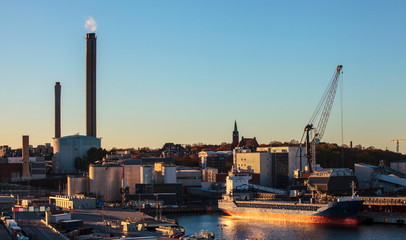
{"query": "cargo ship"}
[(239, 201)]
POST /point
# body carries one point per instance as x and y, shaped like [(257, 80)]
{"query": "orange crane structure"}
[(397, 143)]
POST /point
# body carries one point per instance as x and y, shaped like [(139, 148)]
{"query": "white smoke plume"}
[(91, 24)]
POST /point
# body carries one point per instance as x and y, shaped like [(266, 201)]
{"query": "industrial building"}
[(68, 148), (37, 167), (275, 165), (77, 185), (399, 166), (105, 181), (221, 160), (114, 182), (73, 202), (7, 203), (379, 177), (334, 181), (189, 177)]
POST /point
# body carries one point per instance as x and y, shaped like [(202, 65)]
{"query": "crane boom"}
[(322, 113)]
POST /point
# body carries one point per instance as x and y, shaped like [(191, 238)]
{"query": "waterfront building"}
[(275, 165), (381, 177)]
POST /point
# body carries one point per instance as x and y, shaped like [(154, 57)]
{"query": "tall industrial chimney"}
[(91, 84), (57, 110), (26, 157)]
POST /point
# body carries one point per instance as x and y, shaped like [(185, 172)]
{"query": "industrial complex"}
[(85, 190)]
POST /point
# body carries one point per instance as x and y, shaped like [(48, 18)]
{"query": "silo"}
[(132, 176), (114, 179), (68, 148), (97, 179), (105, 181), (146, 173), (169, 174), (77, 184)]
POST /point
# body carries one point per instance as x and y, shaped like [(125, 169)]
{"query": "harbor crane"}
[(314, 133), (397, 143)]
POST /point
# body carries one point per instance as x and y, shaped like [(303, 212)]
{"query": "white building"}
[(73, 202), (296, 158), (275, 165)]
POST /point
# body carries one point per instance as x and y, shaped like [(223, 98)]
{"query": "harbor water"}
[(230, 228)]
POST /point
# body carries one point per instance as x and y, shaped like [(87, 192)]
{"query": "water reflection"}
[(240, 229)]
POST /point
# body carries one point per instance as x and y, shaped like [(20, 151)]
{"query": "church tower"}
[(236, 138)]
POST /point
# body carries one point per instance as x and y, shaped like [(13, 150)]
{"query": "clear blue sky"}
[(183, 71)]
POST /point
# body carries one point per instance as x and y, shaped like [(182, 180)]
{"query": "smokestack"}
[(26, 157), (91, 84), (57, 110)]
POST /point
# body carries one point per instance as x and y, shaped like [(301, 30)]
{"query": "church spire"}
[(236, 138)]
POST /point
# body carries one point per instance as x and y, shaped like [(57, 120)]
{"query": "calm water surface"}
[(238, 229)]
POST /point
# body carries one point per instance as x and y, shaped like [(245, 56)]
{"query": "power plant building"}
[(68, 148)]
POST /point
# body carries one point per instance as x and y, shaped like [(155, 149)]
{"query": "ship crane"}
[(314, 133), (397, 143)]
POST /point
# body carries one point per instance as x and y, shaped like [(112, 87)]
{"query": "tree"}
[(93, 155), (79, 164)]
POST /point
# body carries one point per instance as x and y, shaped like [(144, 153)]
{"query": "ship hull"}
[(334, 213), (293, 218)]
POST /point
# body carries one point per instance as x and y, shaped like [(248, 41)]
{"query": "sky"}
[(184, 71)]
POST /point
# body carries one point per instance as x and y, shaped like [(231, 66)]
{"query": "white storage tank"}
[(68, 148), (77, 184), (169, 173), (146, 174), (132, 176), (105, 181)]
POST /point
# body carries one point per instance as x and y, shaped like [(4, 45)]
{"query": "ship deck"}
[(280, 205)]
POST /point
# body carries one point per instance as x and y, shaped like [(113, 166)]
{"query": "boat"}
[(239, 201)]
